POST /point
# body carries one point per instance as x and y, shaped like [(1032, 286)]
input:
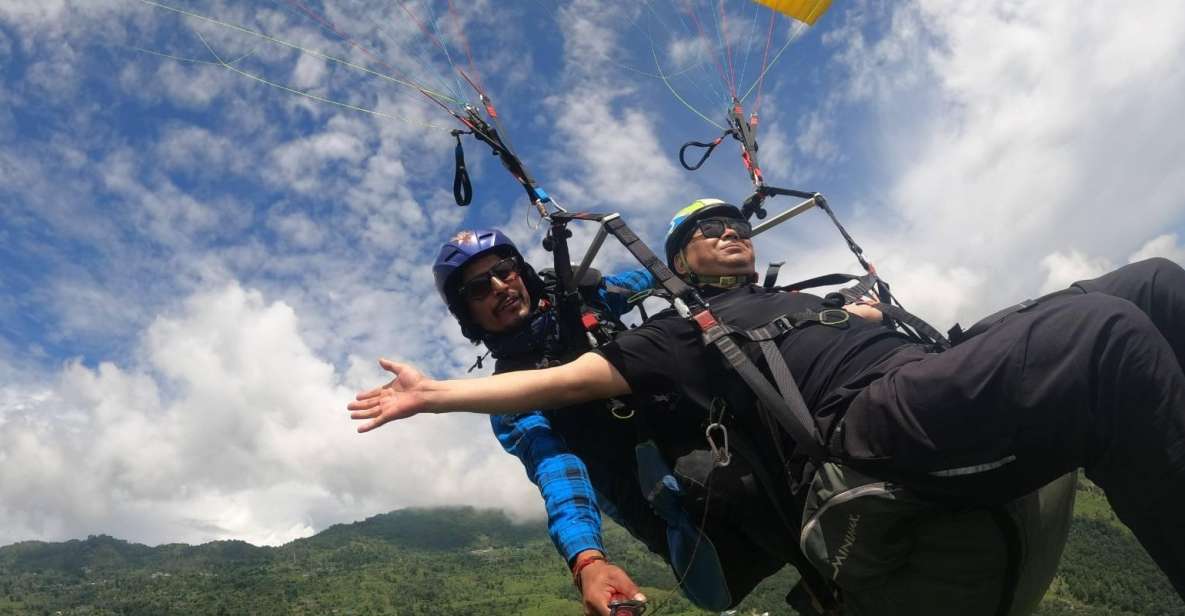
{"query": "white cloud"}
[(1007, 132), (1167, 246), (228, 426), (1062, 269), (295, 164)]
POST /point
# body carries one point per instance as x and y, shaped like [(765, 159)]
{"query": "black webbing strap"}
[(864, 283), (771, 274), (918, 325), (788, 409), (858, 291), (663, 276), (462, 188)]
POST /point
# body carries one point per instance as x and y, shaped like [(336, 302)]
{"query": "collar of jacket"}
[(527, 339)]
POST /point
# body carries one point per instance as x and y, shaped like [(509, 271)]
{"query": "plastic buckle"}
[(783, 324), (719, 453), (705, 320)]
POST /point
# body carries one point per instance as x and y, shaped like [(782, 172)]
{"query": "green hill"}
[(462, 561)]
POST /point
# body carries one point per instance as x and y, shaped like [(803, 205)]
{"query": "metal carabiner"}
[(721, 454)]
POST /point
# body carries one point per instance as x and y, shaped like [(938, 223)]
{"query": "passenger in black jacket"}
[(1089, 378)]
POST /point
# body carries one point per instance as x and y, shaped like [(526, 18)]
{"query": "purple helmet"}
[(460, 250)]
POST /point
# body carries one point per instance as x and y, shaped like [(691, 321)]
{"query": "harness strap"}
[(663, 276), (789, 411), (863, 283), (771, 274), (921, 327), (925, 332)]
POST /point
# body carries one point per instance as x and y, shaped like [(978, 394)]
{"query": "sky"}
[(217, 215)]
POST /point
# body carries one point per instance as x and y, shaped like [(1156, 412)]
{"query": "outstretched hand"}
[(602, 582), (399, 399)]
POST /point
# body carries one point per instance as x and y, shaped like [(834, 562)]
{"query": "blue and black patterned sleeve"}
[(573, 520), (616, 289)]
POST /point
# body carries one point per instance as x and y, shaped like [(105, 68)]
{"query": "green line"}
[(273, 84), (313, 52), (658, 66)]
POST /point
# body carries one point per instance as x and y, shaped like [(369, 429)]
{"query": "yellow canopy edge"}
[(806, 11)]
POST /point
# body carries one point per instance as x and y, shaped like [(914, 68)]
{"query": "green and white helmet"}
[(683, 223)]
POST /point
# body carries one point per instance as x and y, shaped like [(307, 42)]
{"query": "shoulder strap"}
[(771, 274), (788, 406)]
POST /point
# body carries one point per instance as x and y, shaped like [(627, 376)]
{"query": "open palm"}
[(398, 399)]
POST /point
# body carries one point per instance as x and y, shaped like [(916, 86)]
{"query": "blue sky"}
[(197, 270)]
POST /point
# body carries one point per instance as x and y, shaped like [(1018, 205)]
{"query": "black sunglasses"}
[(481, 285), (714, 227)]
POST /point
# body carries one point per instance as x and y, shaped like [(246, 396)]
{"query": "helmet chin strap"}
[(722, 282)]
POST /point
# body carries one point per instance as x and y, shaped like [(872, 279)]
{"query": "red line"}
[(423, 28), (704, 36), (468, 52), (764, 58), (344, 36)]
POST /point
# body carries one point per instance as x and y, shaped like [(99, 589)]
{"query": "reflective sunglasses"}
[(481, 285), (714, 227)]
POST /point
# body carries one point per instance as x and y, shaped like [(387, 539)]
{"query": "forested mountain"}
[(462, 561)]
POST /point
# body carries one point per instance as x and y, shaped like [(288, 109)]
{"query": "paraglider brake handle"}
[(709, 146)]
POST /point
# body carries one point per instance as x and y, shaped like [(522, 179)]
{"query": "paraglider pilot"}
[(500, 301)]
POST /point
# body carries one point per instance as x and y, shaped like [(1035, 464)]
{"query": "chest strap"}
[(785, 402), (914, 326)]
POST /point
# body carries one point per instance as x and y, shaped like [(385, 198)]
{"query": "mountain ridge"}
[(463, 560)]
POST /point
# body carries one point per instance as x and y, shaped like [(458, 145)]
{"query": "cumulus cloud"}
[(1167, 246), (1062, 269), (227, 425), (1022, 145)]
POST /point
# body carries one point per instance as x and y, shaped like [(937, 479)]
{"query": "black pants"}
[(1090, 380)]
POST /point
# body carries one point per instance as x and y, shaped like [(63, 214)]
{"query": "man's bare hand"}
[(399, 399), (865, 311), (601, 582)]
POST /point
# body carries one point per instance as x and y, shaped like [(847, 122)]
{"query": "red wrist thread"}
[(581, 565)]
